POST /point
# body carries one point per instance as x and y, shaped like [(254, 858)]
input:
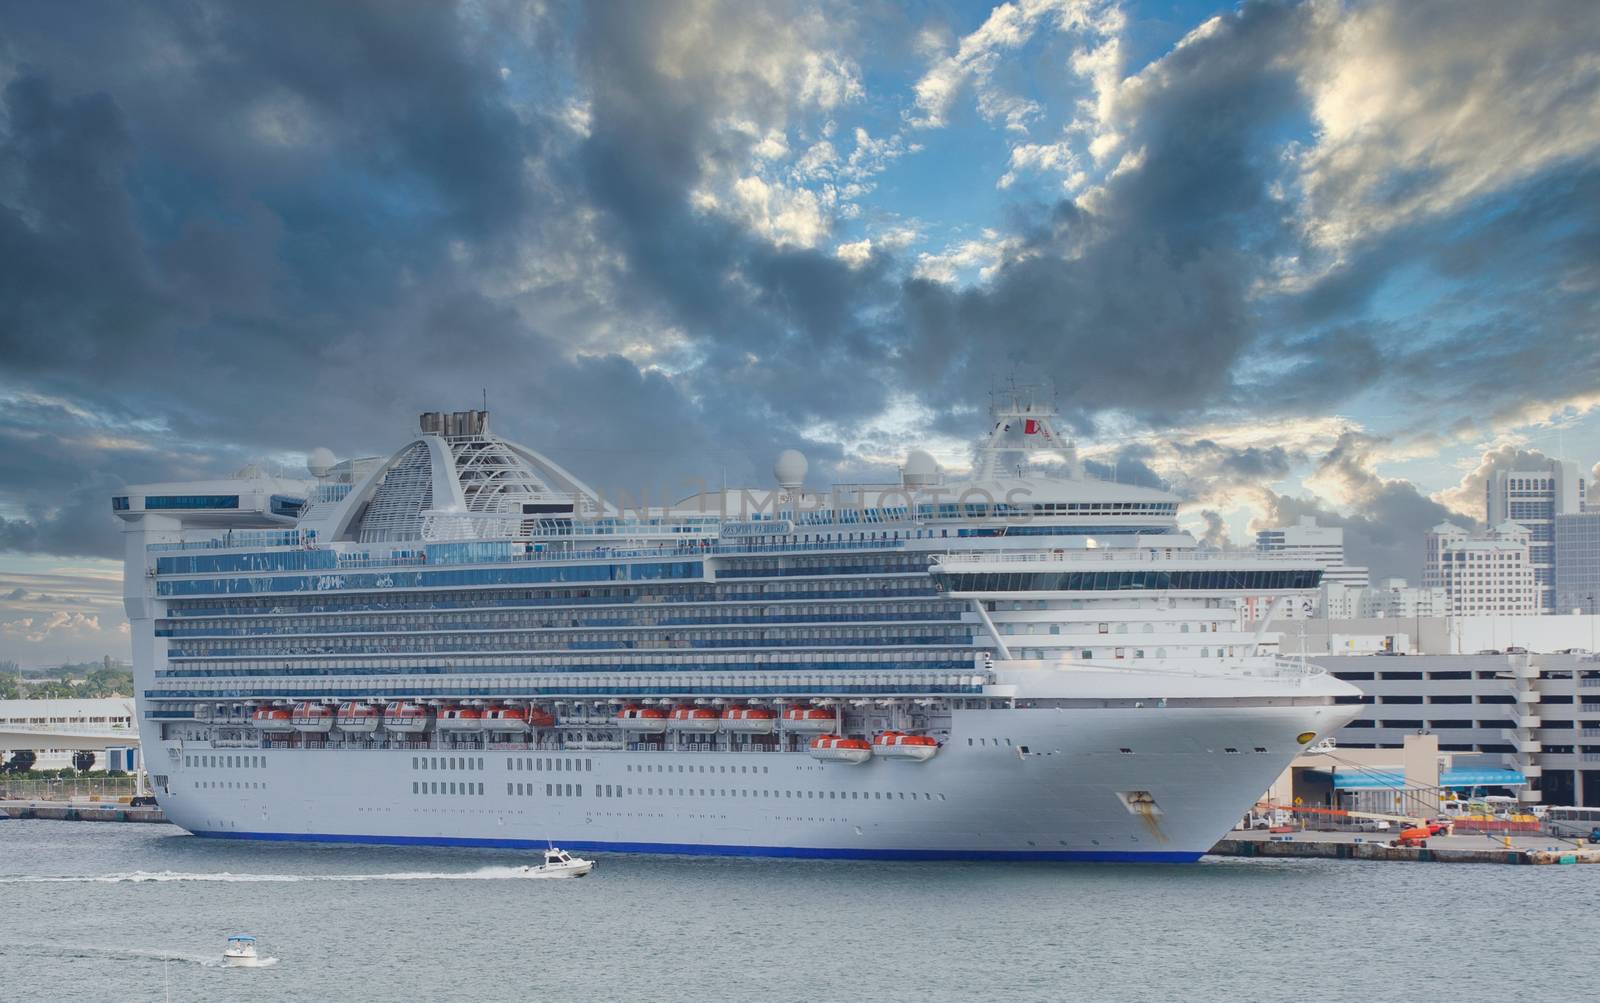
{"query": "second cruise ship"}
[(463, 643)]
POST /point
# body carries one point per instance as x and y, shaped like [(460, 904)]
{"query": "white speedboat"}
[(558, 864), (241, 953)]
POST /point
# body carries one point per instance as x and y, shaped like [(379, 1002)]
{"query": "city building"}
[(1536, 716), (1393, 597), (55, 730), (1339, 601), (1533, 498), (1577, 560), (1308, 541), (1487, 573)]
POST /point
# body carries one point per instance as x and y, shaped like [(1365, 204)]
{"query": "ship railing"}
[(1286, 668), (585, 745), (1144, 554)]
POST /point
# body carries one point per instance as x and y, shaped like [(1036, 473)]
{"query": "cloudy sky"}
[(1333, 258)]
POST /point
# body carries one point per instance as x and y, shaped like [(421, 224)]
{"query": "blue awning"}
[(1368, 780), (1382, 780), (1469, 777)]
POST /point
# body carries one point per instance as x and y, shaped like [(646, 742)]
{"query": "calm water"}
[(89, 912)]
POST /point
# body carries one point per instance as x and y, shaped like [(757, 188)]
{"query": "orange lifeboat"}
[(538, 717), (273, 720), (810, 719), (458, 718), (313, 718), (357, 717), (899, 745), (696, 720), (505, 719), (405, 718), (647, 720), (838, 749), (748, 720)]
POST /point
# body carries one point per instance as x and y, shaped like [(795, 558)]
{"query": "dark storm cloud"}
[(1509, 295), (1144, 305), (795, 312)]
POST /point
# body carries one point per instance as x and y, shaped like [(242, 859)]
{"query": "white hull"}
[(981, 796)]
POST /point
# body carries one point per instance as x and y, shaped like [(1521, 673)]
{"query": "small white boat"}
[(558, 864), (241, 953)]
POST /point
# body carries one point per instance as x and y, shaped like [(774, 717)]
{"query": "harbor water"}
[(133, 912)]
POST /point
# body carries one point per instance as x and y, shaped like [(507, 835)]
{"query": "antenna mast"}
[(1022, 424)]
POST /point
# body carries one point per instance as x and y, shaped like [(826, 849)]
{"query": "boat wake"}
[(140, 877), (123, 954)]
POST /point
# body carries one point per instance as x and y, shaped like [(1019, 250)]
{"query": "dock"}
[(81, 811), (1475, 849)]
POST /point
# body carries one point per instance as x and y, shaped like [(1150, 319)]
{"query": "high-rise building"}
[(1577, 581), (1308, 541), (1533, 497), (1489, 573)]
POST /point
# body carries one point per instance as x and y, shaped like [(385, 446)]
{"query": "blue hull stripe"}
[(722, 850)]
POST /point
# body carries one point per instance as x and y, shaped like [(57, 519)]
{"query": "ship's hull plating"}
[(1010, 784)]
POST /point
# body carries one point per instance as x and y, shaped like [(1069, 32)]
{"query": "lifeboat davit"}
[(698, 720), (809, 719), (538, 717), (274, 720), (460, 719), (405, 718), (838, 749), (649, 720), (312, 718), (899, 745), (505, 719), (361, 718), (748, 720)]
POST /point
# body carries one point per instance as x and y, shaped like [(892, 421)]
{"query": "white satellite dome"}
[(320, 461), (790, 470), (920, 469)]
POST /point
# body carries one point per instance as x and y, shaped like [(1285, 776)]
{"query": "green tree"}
[(83, 761), (22, 761)]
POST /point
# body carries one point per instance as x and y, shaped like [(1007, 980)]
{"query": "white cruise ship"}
[(464, 644)]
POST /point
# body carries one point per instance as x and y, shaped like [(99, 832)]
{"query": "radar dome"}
[(321, 461), (920, 469), (790, 470)]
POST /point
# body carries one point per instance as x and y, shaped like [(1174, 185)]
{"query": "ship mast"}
[(1022, 424)]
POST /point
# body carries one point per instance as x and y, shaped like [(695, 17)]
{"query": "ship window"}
[(414, 786), (547, 789)]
